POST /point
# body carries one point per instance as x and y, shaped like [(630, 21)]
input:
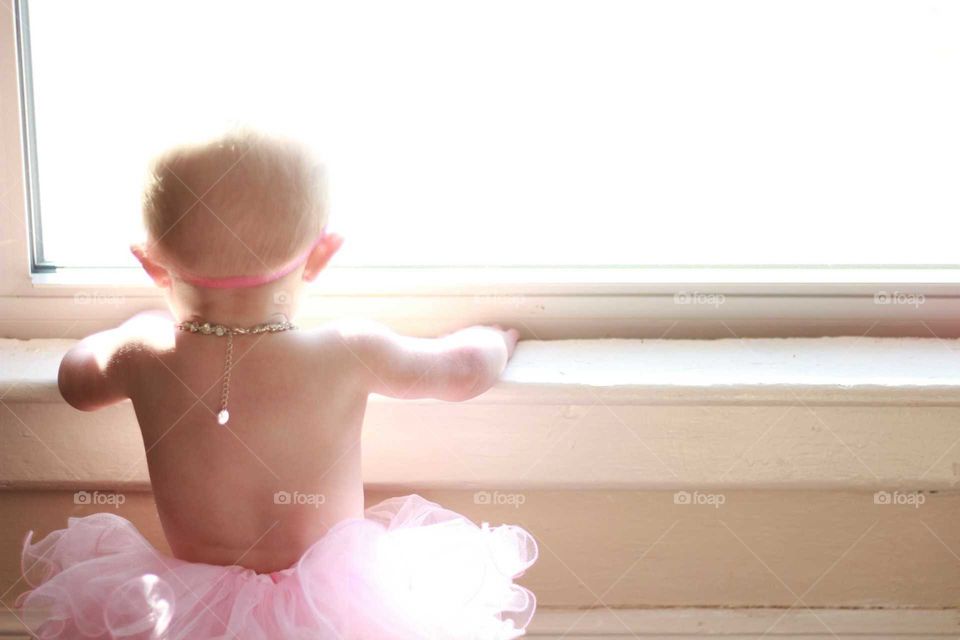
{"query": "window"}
[(629, 168), (550, 133)]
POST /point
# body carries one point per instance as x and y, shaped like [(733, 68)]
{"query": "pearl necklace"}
[(208, 328)]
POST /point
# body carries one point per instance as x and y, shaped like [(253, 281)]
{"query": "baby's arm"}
[(454, 367), (93, 374)]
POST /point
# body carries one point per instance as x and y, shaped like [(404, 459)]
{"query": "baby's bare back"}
[(284, 469)]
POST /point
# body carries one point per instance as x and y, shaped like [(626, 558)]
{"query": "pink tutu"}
[(408, 569)]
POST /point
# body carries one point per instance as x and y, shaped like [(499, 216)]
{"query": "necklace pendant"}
[(208, 328)]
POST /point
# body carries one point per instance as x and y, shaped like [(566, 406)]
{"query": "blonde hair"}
[(242, 204)]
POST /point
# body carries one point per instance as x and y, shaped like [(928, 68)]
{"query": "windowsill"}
[(597, 436), (881, 371), (547, 304), (755, 280), (855, 413)]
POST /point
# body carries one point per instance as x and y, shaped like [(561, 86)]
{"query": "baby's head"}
[(233, 212)]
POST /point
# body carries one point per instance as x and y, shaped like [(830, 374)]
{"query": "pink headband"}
[(237, 282)]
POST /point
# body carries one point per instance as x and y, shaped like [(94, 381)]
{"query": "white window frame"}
[(542, 303)]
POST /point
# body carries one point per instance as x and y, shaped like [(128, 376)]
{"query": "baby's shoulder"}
[(356, 339), (151, 331), (349, 332), (99, 369), (147, 331)]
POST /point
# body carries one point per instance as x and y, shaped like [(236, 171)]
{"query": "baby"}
[(240, 410)]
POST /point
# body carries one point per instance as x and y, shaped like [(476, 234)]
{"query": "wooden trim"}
[(730, 624), (734, 624), (627, 415)]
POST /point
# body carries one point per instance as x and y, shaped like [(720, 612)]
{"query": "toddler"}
[(252, 435)]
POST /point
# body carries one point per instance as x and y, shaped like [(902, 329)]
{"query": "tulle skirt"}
[(408, 569)]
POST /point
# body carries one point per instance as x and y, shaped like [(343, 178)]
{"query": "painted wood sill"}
[(861, 413)]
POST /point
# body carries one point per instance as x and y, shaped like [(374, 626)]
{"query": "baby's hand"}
[(480, 334), (510, 337)]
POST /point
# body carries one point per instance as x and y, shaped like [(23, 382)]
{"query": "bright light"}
[(533, 132)]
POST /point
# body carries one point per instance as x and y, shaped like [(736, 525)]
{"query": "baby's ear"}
[(159, 275), (321, 255)]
